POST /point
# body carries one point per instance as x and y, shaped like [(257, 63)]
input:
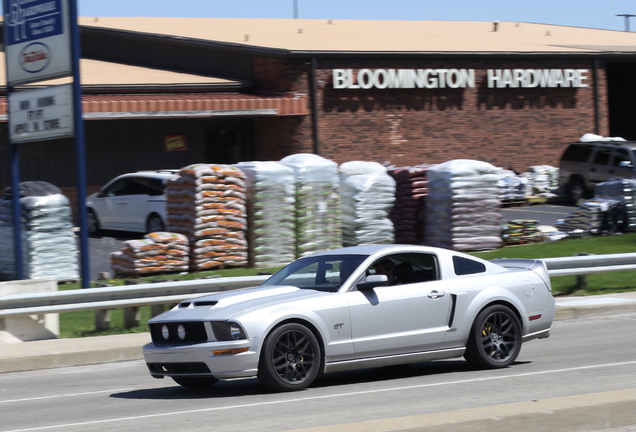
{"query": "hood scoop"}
[(198, 303)]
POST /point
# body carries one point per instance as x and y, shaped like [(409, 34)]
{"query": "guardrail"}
[(159, 294)]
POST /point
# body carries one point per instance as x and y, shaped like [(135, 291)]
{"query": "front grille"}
[(194, 332), (178, 368)]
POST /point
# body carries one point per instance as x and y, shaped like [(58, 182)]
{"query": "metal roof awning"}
[(109, 107)]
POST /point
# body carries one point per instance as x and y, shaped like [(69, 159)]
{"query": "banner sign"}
[(41, 114), (37, 40)]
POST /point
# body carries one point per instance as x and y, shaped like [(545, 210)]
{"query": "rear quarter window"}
[(577, 153), (466, 266)]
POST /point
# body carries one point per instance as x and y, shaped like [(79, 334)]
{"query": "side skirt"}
[(538, 335), (394, 360)]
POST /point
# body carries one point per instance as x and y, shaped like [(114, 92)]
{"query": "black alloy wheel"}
[(195, 382), (290, 358), (495, 338), (577, 190)]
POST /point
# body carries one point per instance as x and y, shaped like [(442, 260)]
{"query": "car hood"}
[(225, 305)]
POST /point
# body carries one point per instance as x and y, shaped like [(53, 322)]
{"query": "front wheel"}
[(195, 382), (92, 222), (495, 338), (290, 358)]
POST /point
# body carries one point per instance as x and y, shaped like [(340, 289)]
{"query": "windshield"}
[(322, 273)]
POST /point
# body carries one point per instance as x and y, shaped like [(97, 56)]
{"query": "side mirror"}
[(372, 282), (625, 164)]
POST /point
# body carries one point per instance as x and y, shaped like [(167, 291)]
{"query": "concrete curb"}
[(581, 412)]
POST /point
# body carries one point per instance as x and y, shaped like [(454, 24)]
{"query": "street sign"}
[(41, 114), (37, 40)]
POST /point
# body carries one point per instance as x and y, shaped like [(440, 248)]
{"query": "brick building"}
[(167, 92)]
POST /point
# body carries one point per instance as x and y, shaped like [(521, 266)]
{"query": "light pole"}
[(295, 9), (627, 17)]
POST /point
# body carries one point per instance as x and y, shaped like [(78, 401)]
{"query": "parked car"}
[(130, 202), (352, 308), (584, 164)]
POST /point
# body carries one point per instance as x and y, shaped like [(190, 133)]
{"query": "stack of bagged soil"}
[(624, 191), (48, 243), (318, 220), (367, 194), (462, 207), (206, 203), (407, 213), (270, 213), (157, 252)]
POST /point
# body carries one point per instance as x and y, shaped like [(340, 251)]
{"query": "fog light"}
[(181, 332), (165, 332)]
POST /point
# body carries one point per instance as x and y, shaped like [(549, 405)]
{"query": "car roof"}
[(628, 144), (159, 174), (395, 248)]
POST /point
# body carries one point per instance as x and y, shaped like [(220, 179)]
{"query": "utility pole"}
[(627, 17), (295, 9)]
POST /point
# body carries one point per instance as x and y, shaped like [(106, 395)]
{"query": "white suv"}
[(130, 202)]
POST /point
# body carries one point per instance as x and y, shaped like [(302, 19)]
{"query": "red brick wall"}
[(511, 126)]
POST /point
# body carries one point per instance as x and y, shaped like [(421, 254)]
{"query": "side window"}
[(118, 188), (602, 156), (407, 268), (465, 266), (621, 155), (577, 153)]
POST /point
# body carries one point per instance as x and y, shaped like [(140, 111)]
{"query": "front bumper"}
[(198, 359)]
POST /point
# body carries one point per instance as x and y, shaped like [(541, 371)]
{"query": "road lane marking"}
[(311, 398), (64, 395)]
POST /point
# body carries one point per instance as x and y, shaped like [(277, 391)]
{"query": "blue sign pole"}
[(14, 156), (79, 144)]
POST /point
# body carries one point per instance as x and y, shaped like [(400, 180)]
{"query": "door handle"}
[(435, 294)]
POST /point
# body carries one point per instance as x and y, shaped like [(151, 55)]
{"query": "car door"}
[(600, 167), (120, 204), (406, 317)]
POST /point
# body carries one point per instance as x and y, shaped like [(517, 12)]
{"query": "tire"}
[(92, 222), (154, 223), (577, 190), (290, 358), (196, 382), (495, 338)]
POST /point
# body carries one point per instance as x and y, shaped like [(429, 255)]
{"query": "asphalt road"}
[(102, 245), (581, 357)]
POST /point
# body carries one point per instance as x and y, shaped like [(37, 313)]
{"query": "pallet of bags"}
[(407, 213), (157, 252), (317, 204), (463, 211), (521, 231), (512, 188), (593, 216), (270, 213), (206, 203), (367, 194), (542, 180), (624, 191), (49, 249)]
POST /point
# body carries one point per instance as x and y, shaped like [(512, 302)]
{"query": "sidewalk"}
[(55, 353)]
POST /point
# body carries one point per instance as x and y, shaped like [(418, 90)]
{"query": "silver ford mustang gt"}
[(352, 308)]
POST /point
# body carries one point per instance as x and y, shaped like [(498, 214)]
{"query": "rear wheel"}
[(290, 358), (196, 382), (495, 338), (154, 223)]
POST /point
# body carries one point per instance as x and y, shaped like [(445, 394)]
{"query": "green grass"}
[(81, 324)]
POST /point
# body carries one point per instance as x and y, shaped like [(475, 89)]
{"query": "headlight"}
[(227, 331), (181, 332), (165, 332)]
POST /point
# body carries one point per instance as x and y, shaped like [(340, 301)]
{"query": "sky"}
[(578, 13)]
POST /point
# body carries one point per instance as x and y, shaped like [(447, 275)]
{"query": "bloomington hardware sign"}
[(37, 39), (41, 114), (456, 78)]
